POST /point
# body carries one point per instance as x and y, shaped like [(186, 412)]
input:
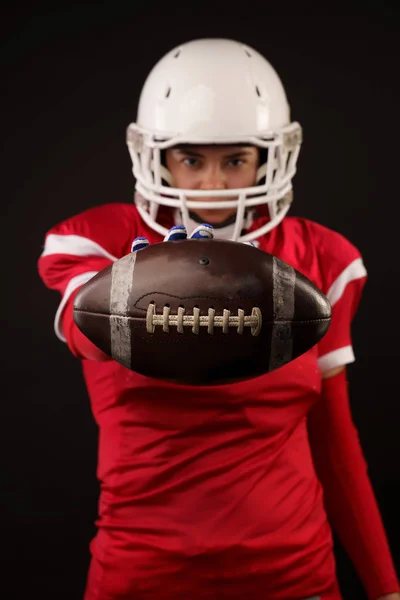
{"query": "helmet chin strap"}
[(222, 230), (229, 221)]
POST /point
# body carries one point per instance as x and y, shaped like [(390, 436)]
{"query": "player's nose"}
[(213, 179)]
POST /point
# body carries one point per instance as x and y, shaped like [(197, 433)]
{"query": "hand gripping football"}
[(201, 311)]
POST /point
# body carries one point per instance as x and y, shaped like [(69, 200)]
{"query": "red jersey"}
[(208, 490)]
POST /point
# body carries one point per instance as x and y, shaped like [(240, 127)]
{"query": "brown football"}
[(202, 311)]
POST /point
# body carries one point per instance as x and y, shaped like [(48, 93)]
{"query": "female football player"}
[(230, 491)]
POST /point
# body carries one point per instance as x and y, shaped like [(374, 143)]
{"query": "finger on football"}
[(139, 243), (177, 232), (203, 231)]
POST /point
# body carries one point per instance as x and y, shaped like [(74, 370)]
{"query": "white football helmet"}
[(214, 91)]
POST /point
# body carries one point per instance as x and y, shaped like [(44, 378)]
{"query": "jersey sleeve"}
[(344, 276), (81, 246)]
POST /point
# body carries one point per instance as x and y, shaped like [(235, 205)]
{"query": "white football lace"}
[(195, 321)]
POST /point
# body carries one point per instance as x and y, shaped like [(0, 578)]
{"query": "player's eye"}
[(236, 162), (190, 161)]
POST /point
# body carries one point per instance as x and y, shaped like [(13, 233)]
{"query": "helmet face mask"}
[(206, 92)]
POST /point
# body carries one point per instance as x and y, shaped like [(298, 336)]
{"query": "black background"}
[(70, 83)]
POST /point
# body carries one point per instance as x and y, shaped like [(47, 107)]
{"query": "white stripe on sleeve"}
[(75, 245), (73, 284), (345, 355), (336, 358), (355, 270)]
